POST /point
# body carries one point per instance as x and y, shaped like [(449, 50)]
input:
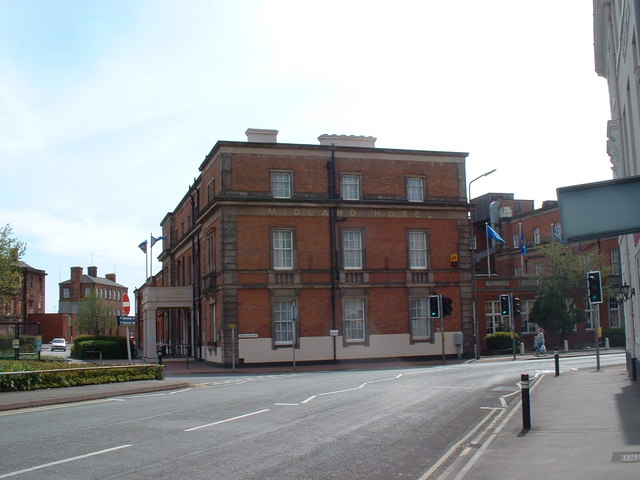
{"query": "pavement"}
[(584, 424)]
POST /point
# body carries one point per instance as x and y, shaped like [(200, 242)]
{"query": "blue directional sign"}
[(126, 320)]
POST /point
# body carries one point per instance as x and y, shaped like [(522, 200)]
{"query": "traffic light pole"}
[(597, 338)]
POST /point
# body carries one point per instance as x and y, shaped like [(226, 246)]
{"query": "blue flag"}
[(556, 235), (155, 239), (143, 246), (523, 244), (491, 233)]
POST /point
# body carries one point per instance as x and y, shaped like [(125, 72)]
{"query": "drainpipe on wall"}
[(331, 172)]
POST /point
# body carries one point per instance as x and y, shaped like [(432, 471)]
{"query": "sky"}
[(108, 107)]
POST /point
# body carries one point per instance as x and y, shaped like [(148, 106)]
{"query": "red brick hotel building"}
[(332, 249)]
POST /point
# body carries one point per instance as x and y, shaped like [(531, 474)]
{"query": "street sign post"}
[(126, 320)]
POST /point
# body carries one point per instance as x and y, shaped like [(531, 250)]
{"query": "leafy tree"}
[(11, 250), (562, 298), (95, 316)]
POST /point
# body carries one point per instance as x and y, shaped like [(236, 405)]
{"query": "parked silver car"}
[(58, 344)]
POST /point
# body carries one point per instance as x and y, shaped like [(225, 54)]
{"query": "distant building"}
[(74, 290), (323, 252), (29, 299), (504, 268)]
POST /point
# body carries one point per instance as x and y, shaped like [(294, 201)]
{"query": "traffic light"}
[(594, 286), (434, 306), (505, 307), (446, 306), (516, 306)]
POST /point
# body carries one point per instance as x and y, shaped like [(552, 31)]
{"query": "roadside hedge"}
[(616, 336), (111, 346), (501, 341), (74, 376)]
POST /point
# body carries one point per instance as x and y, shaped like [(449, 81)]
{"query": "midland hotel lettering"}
[(351, 212)]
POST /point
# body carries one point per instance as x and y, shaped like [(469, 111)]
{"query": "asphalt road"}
[(383, 424)]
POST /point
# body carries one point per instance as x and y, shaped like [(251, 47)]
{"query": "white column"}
[(149, 345)]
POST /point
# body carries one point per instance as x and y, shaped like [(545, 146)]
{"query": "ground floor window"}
[(495, 321), (525, 311), (592, 315), (283, 322), (420, 326), (354, 320), (614, 313)]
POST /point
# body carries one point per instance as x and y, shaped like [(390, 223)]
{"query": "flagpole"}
[(150, 255), (486, 234), (146, 263), (521, 255)]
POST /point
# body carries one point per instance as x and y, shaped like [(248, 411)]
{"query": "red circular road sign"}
[(126, 305)]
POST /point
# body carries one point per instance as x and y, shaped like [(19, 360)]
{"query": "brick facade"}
[(260, 239), (511, 272)]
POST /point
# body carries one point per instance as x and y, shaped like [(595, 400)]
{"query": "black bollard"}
[(526, 405), (556, 358)]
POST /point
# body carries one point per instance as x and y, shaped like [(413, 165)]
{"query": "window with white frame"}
[(87, 291), (415, 189), (517, 271), (283, 322), (282, 249), (350, 187), (354, 320), (420, 324), (538, 269), (536, 235), (592, 315), (352, 249), (417, 250), (281, 184), (493, 316), (615, 262), (516, 240), (614, 313), (525, 311)]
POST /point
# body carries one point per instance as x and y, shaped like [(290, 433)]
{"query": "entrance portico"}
[(159, 298)]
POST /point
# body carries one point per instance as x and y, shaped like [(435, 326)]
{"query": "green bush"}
[(501, 341), (111, 346), (33, 378), (616, 336)]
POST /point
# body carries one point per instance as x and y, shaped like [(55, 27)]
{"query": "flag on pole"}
[(523, 243), (491, 233), (155, 239), (556, 234), (143, 246)]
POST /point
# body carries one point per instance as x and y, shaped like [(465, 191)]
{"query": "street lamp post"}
[(472, 248)]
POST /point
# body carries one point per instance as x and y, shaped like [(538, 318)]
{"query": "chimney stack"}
[(260, 135), (92, 271), (111, 276)]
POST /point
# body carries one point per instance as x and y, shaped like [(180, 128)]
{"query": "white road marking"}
[(226, 420), (55, 407), (180, 391), (66, 460)]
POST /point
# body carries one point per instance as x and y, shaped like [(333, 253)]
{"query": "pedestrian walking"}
[(538, 343)]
